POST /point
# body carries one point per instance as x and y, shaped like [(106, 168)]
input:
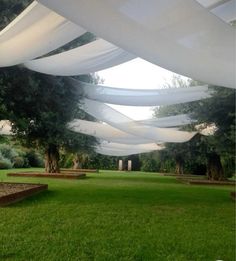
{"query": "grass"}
[(119, 216)]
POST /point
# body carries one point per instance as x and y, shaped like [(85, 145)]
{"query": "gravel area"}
[(10, 188)]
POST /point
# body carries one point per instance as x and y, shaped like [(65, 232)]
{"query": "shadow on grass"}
[(137, 179), (38, 198)]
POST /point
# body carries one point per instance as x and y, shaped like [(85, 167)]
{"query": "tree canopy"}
[(40, 106), (217, 111)]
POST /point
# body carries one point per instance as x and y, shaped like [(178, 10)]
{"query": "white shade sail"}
[(123, 146), (118, 120), (179, 35), (89, 58), (224, 9), (114, 152), (170, 121), (105, 132), (35, 32), (141, 97)]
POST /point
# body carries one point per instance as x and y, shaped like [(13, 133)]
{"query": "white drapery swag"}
[(117, 149), (89, 58), (118, 120), (123, 146), (170, 121), (141, 97), (35, 32), (105, 132), (179, 35), (109, 152), (114, 152), (225, 10)]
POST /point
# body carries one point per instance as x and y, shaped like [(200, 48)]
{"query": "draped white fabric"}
[(120, 146), (170, 121), (89, 58), (138, 97), (179, 35), (35, 32), (117, 149), (105, 132), (226, 9), (118, 120), (114, 152)]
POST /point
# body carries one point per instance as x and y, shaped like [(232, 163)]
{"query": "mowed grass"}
[(119, 216)]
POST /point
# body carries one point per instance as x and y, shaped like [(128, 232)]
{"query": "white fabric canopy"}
[(179, 35), (224, 9), (105, 132), (35, 32), (123, 146), (89, 58), (118, 120), (170, 121), (141, 97), (113, 152)]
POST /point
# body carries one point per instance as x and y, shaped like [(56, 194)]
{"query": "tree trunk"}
[(214, 167), (52, 159), (76, 162), (179, 167)]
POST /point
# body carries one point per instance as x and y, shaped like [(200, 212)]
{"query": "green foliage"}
[(34, 158), (20, 157), (10, 9), (98, 161), (218, 110), (40, 106), (5, 163), (8, 152), (66, 160), (20, 162), (150, 165)]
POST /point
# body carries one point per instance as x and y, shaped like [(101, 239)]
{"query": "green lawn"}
[(119, 216)]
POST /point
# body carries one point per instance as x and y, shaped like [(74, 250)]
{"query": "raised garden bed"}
[(183, 175), (79, 170), (48, 175), (233, 195), (207, 182), (14, 192)]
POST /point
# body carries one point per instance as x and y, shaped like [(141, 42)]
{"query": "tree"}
[(39, 107), (218, 111)]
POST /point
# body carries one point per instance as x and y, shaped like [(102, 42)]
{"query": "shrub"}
[(8, 152), (20, 162), (66, 160), (5, 163), (34, 159), (150, 165)]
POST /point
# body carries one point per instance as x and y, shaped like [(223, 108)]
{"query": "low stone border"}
[(207, 182), (13, 192), (48, 175), (79, 170)]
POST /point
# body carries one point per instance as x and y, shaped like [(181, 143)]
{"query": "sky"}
[(136, 74)]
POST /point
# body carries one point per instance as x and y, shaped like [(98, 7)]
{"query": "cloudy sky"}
[(136, 74)]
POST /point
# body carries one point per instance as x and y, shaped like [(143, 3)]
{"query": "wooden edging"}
[(63, 170), (20, 195), (49, 175), (206, 182)]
